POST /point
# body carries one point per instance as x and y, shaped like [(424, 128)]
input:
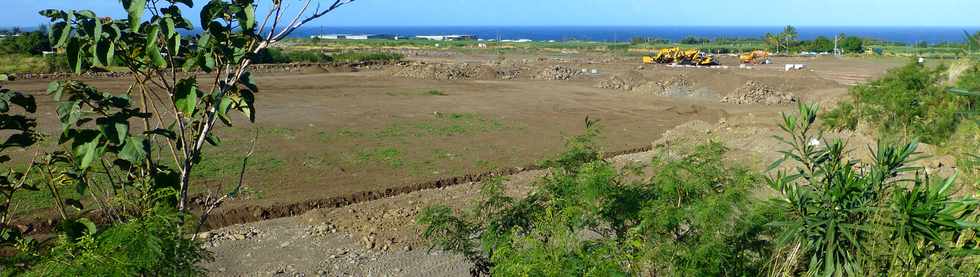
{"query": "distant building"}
[(448, 37), (353, 37)]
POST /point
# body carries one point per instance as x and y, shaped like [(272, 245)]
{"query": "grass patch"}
[(24, 64), (219, 166), (436, 93), (391, 157)]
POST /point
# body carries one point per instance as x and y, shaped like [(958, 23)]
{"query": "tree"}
[(33, 43), (821, 44), (789, 37), (139, 178), (772, 41), (851, 44)]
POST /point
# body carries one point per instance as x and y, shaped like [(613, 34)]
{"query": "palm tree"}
[(772, 41), (789, 36)]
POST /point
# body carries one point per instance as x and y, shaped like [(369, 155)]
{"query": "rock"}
[(627, 81), (557, 73), (758, 93)]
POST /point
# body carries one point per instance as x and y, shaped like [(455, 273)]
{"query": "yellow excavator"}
[(676, 55), (754, 57)]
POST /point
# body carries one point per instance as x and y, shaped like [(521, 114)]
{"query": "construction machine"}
[(676, 55), (754, 57)]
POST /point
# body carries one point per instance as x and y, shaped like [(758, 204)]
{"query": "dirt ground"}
[(323, 134), (333, 133)]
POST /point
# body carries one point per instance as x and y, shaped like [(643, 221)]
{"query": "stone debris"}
[(627, 81), (213, 238), (439, 71), (557, 73), (758, 93)]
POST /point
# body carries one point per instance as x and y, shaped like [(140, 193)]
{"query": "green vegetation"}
[(391, 157), (436, 93), (355, 57), (276, 56), (910, 102), (30, 43), (122, 194), (697, 216)]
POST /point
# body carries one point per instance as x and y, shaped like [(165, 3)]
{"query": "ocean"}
[(625, 33)]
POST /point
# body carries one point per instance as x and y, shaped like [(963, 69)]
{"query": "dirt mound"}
[(627, 81), (557, 73), (462, 71), (510, 72), (758, 93), (678, 86)]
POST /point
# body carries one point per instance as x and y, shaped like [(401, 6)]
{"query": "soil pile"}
[(677, 86), (461, 71), (758, 93), (557, 73), (628, 81), (509, 72)]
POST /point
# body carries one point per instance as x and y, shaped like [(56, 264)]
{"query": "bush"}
[(876, 219), (353, 57), (588, 218), (831, 216), (908, 102), (279, 56), (145, 246), (32, 43)]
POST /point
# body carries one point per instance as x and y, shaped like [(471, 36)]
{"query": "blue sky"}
[(956, 13)]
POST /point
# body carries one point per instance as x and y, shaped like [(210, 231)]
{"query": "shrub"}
[(32, 43), (908, 102), (880, 218), (353, 57), (588, 218), (147, 245)]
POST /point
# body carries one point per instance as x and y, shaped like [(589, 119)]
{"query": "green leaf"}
[(134, 10), (247, 105), (152, 49), (85, 14), (89, 225), (75, 204), (58, 33), (93, 28), (248, 81), (169, 30), (189, 3), (68, 114), (212, 139), (52, 14), (185, 98), (134, 150), (206, 61), (74, 51), (55, 89), (204, 41), (223, 106), (174, 44), (84, 146), (247, 18), (104, 52), (210, 11), (114, 128)]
